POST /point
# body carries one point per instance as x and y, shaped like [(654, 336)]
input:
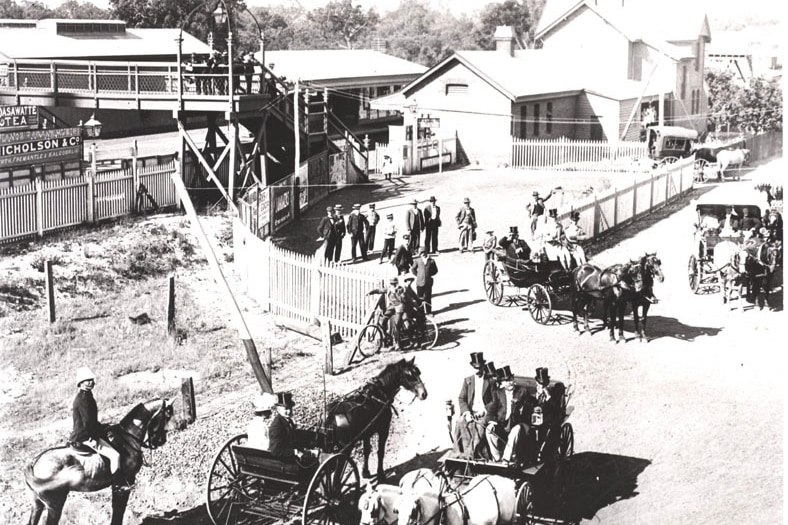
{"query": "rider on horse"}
[(87, 431)]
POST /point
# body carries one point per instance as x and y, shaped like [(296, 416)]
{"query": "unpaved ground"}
[(687, 427)]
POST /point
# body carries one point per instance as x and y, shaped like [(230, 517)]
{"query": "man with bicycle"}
[(392, 310), (413, 306)]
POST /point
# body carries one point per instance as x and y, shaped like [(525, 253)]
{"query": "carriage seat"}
[(255, 461)]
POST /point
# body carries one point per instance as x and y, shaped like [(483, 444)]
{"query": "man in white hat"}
[(86, 428), (466, 222), (257, 430)]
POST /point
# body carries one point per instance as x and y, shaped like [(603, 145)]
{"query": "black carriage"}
[(247, 485), (537, 283), (667, 144), (543, 477), (710, 231)]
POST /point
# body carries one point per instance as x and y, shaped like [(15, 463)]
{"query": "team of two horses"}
[(617, 286), (748, 268)]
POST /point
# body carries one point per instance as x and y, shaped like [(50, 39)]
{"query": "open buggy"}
[(538, 283), (247, 485), (717, 245), (542, 477)]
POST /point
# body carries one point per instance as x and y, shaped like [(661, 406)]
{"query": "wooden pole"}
[(243, 331), (171, 307), (50, 290), (187, 396)]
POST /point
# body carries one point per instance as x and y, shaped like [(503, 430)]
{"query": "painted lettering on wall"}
[(18, 117)]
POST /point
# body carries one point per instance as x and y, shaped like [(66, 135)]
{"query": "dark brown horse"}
[(761, 260), (613, 286), (367, 411), (58, 471), (650, 269)]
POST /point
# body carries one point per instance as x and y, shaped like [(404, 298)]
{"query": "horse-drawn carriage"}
[(538, 282), (720, 244), (543, 475), (667, 144)]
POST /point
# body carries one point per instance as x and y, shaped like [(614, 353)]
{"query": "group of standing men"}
[(333, 228), (504, 422)]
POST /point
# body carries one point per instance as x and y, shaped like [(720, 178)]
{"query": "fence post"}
[(90, 201), (615, 207), (325, 329), (634, 199), (135, 176), (50, 290), (39, 206), (596, 216), (651, 193), (314, 299), (171, 306), (187, 397)]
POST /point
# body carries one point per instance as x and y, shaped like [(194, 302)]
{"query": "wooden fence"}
[(305, 287), (45, 206), (575, 155)]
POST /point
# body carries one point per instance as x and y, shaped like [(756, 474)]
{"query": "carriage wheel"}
[(430, 336), (228, 490), (566, 447), (332, 497), (525, 505), (370, 340), (539, 304), (667, 160), (700, 167), (493, 285), (693, 273)]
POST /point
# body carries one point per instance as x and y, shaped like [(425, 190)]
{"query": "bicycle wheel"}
[(370, 340), (430, 336)]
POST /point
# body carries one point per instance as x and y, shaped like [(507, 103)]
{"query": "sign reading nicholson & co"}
[(18, 117), (22, 148)]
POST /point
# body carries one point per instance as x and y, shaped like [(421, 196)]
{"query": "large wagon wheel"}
[(566, 445), (332, 496), (694, 273), (493, 283), (539, 304), (370, 340), (524, 510), (700, 167), (228, 490)]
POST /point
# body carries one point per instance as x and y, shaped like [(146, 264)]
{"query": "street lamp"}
[(91, 130)]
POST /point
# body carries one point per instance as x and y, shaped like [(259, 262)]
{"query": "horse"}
[(378, 505), (731, 158), (730, 264), (651, 268), (486, 500), (367, 411), (612, 286), (761, 259), (54, 473)]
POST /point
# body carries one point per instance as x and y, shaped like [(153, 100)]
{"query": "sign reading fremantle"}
[(22, 148), (18, 117)]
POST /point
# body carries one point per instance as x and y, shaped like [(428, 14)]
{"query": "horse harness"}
[(439, 517)]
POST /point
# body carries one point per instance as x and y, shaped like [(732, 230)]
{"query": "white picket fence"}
[(577, 155), (46, 206), (304, 287)]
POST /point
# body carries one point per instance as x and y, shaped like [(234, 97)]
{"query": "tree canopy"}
[(756, 108)]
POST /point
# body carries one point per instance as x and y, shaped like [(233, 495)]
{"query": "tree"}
[(755, 108), (519, 15), (71, 9), (341, 24)]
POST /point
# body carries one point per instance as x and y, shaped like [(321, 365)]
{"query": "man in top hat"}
[(414, 223), (546, 397), (356, 225), (389, 238), (553, 241), (281, 431), (509, 435), (341, 230), (403, 259), (432, 221), (328, 234), (425, 269), (478, 407), (257, 429), (574, 235), (466, 222), (515, 247), (86, 431), (372, 222)]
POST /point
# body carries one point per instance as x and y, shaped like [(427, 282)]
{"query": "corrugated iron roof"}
[(338, 64), (43, 42)]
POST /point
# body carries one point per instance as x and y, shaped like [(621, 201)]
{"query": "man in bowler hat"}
[(414, 223), (432, 221), (424, 268), (356, 224), (373, 218), (327, 233)]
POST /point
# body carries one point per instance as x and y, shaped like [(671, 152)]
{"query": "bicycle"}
[(372, 337)]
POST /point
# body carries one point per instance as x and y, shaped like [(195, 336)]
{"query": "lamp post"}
[(92, 130)]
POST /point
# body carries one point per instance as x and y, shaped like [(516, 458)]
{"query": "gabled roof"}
[(326, 65), (45, 42)]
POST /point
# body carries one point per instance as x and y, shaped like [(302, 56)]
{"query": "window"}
[(549, 118), (456, 89), (683, 82), (523, 121), (697, 56), (536, 120)]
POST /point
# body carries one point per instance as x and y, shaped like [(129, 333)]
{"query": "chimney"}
[(505, 39)]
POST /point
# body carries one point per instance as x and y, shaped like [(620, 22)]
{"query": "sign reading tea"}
[(18, 117)]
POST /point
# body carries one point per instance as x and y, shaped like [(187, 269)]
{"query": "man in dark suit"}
[(478, 409), (403, 259), (424, 268), (340, 229), (356, 224), (510, 435), (327, 233), (282, 429), (373, 218), (432, 221), (414, 223), (750, 223)]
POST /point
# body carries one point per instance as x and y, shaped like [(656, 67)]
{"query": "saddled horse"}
[(58, 471), (367, 411), (485, 500), (613, 286), (650, 269)]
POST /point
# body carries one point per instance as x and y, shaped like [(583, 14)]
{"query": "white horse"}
[(378, 505), (731, 158), (486, 500), (729, 262), (423, 480)]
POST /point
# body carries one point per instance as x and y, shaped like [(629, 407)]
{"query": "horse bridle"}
[(145, 441)]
